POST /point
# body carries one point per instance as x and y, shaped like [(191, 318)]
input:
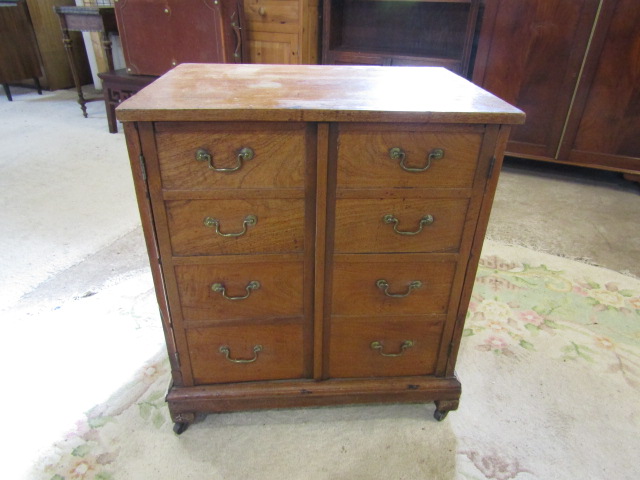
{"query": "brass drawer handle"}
[(396, 153), (426, 220), (220, 288), (249, 221), (203, 155), (383, 285), (225, 350), (378, 346)]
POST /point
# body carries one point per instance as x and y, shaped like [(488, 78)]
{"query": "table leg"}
[(68, 46), (7, 91), (110, 106), (106, 46)]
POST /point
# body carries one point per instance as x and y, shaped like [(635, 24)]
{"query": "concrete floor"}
[(584, 214)]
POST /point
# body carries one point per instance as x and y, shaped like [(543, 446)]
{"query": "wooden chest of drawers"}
[(313, 231)]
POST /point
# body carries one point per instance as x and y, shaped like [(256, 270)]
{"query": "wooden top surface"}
[(316, 93)]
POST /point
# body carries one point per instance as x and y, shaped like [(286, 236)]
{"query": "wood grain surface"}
[(279, 228), (278, 161), (281, 356), (360, 225), (203, 92), (351, 354)]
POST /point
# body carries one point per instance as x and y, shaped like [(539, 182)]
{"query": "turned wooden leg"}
[(443, 407), (182, 421), (106, 47), (7, 91), (68, 46)]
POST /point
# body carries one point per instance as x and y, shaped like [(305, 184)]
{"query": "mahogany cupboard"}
[(157, 35), (313, 231), (573, 66)]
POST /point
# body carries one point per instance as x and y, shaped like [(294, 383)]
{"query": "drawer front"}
[(399, 225), (246, 353), (391, 286), (380, 347), (364, 158), (198, 227), (277, 154), (241, 290)]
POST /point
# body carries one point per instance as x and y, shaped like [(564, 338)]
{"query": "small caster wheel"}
[(440, 415), (180, 427)]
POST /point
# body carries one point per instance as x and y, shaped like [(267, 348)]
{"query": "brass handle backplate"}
[(426, 220), (249, 221), (226, 352), (378, 346), (220, 288), (244, 154), (397, 153), (383, 285)]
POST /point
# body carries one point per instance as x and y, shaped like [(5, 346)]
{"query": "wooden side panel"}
[(19, 53), (138, 169), (57, 73), (605, 121), (494, 145), (157, 36), (534, 54)]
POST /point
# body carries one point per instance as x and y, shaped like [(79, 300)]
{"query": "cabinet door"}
[(273, 31), (604, 126), (272, 47), (530, 54), (157, 36)]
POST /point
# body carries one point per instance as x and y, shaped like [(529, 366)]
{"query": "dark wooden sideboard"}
[(572, 66)]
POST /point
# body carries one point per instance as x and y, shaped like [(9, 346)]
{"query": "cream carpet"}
[(65, 187), (550, 361)]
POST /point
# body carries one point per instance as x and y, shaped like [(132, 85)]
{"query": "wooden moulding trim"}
[(404, 193), (134, 147), (319, 267), (496, 140), (295, 115), (233, 194), (616, 163), (168, 285), (302, 393)]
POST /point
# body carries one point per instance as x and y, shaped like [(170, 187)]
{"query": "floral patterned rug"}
[(550, 371)]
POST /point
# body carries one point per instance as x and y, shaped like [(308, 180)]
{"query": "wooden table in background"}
[(86, 19)]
